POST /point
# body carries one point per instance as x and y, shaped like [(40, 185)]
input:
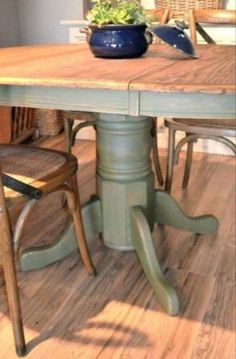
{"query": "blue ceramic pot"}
[(118, 41)]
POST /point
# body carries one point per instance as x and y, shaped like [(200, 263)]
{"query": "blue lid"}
[(176, 37)]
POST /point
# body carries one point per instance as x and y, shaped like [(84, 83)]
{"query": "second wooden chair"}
[(194, 129)]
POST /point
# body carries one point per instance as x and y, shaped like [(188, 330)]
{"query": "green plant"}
[(123, 12)]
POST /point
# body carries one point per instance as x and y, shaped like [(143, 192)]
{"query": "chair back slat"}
[(218, 17), (6, 124), (211, 17), (23, 121), (185, 5), (19, 123), (158, 15)]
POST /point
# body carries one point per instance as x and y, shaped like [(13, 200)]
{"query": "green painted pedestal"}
[(125, 177), (128, 206)]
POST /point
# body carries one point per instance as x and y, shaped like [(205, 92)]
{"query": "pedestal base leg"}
[(39, 257), (167, 211), (142, 240)]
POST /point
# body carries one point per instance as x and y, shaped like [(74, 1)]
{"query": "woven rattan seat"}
[(35, 166), (207, 122), (194, 126)]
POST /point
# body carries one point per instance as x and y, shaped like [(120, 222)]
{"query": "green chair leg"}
[(170, 160), (156, 159), (188, 162), (68, 125), (142, 240)]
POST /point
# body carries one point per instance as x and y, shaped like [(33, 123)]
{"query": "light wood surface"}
[(68, 315), (212, 72), (161, 69), (161, 83)]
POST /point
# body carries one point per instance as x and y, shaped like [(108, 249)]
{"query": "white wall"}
[(9, 30), (39, 20)]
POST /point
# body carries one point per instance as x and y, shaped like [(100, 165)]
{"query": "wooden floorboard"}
[(69, 315)]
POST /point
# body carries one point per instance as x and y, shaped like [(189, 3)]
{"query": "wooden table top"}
[(162, 69)]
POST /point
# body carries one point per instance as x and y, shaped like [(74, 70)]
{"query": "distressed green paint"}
[(39, 257), (125, 177), (135, 103), (142, 240), (167, 211), (187, 105), (80, 99)]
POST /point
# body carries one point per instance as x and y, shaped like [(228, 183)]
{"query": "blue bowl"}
[(118, 41)]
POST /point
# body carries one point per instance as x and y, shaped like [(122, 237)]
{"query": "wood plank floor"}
[(69, 315)]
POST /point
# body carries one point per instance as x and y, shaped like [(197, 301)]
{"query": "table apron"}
[(188, 105), (134, 103)]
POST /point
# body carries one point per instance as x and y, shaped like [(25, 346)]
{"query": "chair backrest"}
[(161, 16), (158, 15), (208, 16), (180, 7), (17, 124), (23, 122), (183, 5)]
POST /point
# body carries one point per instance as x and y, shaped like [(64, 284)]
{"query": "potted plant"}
[(117, 29)]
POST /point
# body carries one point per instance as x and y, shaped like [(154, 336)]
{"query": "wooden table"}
[(124, 93)]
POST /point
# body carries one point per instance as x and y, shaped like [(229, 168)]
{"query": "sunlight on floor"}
[(115, 328)]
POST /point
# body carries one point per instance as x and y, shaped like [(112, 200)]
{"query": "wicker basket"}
[(50, 122), (181, 6)]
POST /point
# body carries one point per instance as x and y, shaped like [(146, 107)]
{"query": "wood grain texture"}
[(70, 315), (70, 66), (208, 16), (213, 72), (6, 126), (160, 69)]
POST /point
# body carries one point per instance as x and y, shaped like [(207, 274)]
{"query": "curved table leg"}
[(167, 211), (142, 240), (39, 257)]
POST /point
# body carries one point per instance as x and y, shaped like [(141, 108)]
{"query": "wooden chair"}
[(17, 124), (212, 129), (35, 172), (88, 119)]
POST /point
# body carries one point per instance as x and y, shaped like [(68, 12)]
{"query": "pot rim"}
[(116, 26)]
